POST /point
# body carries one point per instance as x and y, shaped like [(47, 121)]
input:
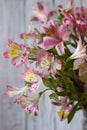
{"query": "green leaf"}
[(54, 96), (71, 114), (63, 93), (50, 83), (60, 17), (84, 96)]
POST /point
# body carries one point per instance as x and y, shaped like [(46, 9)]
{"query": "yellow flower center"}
[(37, 13), (60, 113), (34, 51), (45, 62), (14, 52), (66, 114), (15, 46), (30, 76)]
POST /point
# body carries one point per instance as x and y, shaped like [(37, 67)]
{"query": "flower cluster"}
[(57, 58)]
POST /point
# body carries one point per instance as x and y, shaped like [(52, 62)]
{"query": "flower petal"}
[(49, 42)]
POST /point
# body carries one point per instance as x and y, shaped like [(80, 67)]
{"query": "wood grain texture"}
[(14, 19), (11, 24)]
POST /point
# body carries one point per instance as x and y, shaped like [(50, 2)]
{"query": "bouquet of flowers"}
[(57, 57)]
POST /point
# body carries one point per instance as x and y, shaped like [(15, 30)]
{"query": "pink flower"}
[(51, 28), (81, 65), (45, 59), (69, 7), (33, 107), (13, 91), (50, 42), (32, 78), (48, 64), (55, 66), (80, 51), (75, 19), (58, 35), (32, 34), (81, 12), (64, 112), (63, 103), (42, 14), (29, 104), (81, 26), (17, 52)]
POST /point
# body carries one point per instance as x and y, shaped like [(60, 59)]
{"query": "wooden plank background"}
[(14, 16)]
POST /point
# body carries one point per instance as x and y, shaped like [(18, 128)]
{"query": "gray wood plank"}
[(11, 24)]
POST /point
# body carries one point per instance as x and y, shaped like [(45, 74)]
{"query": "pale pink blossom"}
[(32, 77), (29, 104), (55, 66), (62, 102), (81, 65), (42, 14), (48, 64), (64, 111), (14, 91), (32, 35), (17, 52), (80, 51), (81, 12)]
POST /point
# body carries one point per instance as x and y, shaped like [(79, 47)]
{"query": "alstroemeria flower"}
[(32, 77), (81, 65), (48, 64), (51, 28), (81, 12), (45, 59), (68, 13), (29, 104), (42, 14), (64, 112), (50, 42), (76, 19), (56, 40), (69, 7), (14, 91), (17, 52), (80, 51), (32, 34), (62, 102), (55, 66)]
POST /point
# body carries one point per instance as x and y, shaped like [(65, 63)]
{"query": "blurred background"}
[(14, 19)]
